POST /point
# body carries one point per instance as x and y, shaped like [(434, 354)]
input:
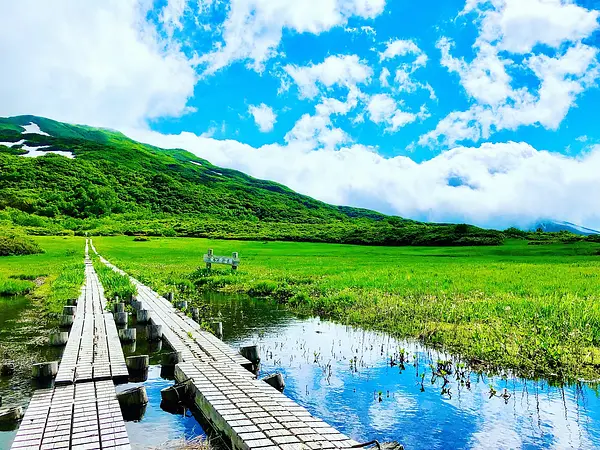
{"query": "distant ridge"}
[(553, 226), (58, 178)]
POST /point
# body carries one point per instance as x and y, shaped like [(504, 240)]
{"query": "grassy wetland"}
[(530, 308)]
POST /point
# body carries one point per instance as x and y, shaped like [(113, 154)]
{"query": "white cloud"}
[(98, 63), (253, 28), (338, 70), (400, 47), (383, 77), (520, 25), (264, 117), (509, 28), (492, 185), (171, 15), (404, 81), (318, 131), (561, 80), (383, 109)]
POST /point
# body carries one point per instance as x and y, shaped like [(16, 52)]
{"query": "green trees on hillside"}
[(115, 185)]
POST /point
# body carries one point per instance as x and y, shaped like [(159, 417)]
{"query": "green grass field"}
[(53, 276), (532, 308)]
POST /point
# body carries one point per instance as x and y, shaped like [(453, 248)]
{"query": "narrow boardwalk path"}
[(250, 412), (81, 411)]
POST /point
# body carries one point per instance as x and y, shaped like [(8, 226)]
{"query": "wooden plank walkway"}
[(248, 411), (81, 411), (93, 352)]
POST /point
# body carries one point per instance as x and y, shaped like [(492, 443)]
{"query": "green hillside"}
[(115, 185)]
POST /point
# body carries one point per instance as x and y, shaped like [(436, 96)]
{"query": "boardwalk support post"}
[(171, 359), (133, 403), (210, 255), (59, 339), (182, 305), (66, 321), (10, 415), (251, 354), (275, 380), (45, 370), (121, 318), (127, 335), (119, 307), (143, 316), (154, 332), (137, 363), (217, 329)]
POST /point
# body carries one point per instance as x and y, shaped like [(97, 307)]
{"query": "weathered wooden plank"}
[(81, 411)]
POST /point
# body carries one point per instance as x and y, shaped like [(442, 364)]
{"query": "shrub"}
[(17, 245)]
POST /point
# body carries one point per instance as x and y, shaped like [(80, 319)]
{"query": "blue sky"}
[(481, 111), (222, 100)]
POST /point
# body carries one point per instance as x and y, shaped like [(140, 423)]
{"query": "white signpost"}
[(211, 259)]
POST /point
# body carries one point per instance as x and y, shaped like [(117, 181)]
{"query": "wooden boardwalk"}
[(81, 411), (252, 414)]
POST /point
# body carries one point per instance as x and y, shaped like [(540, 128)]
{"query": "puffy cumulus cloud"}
[(336, 70), (384, 109), (104, 65), (510, 34), (264, 117), (318, 131), (401, 47), (495, 185), (520, 25), (253, 28), (404, 81), (499, 107)]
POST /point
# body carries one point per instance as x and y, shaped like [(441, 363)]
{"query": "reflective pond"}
[(368, 385), (356, 380)]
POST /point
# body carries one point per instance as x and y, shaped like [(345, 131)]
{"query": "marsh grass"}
[(114, 284), (52, 277), (533, 309), (10, 287)]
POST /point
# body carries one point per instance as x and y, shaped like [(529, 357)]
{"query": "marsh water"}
[(366, 384)]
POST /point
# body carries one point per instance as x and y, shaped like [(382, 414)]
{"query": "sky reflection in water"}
[(314, 357)]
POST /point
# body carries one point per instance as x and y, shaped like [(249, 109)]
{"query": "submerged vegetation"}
[(534, 309)]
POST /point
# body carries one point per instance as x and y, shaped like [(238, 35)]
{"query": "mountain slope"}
[(111, 184), (553, 226)]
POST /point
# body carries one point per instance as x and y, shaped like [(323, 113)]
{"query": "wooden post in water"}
[(154, 332), (59, 339), (137, 363), (127, 335), (119, 307), (182, 305), (45, 370), (121, 318), (217, 328), (143, 316), (196, 314), (171, 359), (66, 321)]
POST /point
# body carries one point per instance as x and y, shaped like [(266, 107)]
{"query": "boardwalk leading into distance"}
[(81, 411), (252, 414)]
